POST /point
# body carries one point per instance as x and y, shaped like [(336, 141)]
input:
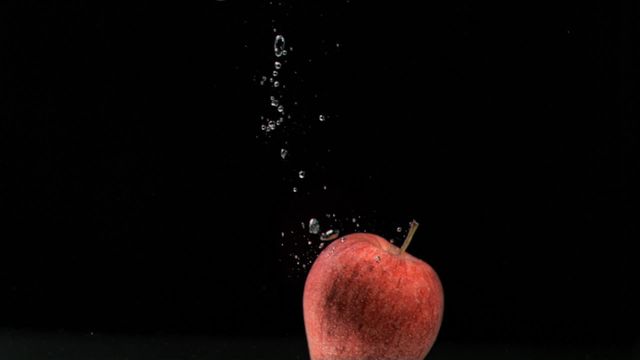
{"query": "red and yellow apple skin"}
[(365, 299)]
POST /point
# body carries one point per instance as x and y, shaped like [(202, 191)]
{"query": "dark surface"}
[(53, 346), (138, 199)]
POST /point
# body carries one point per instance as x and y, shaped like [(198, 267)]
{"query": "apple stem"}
[(412, 231)]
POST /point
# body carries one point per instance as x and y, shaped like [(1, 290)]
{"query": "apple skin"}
[(364, 300)]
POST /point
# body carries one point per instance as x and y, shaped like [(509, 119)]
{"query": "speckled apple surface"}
[(365, 300)]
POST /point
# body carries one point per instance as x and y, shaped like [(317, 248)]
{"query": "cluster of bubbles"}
[(318, 232), (271, 123), (310, 237)]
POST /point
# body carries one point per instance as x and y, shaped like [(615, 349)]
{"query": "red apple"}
[(366, 299)]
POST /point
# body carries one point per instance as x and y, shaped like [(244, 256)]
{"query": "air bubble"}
[(276, 84), (283, 153), (295, 189), (321, 118), (301, 174), (399, 229), (314, 226), (275, 73), (278, 46), (277, 65), (329, 235), (280, 108)]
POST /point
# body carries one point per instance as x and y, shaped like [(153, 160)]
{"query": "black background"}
[(141, 197)]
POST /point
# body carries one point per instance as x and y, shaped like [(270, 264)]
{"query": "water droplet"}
[(353, 220), (295, 189), (275, 73), (274, 102), (329, 235), (284, 52), (321, 117), (342, 239), (280, 108), (391, 241), (283, 153), (399, 229), (277, 65), (301, 174), (378, 258), (276, 84), (282, 234), (278, 46), (324, 187), (263, 127), (314, 226), (321, 246)]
